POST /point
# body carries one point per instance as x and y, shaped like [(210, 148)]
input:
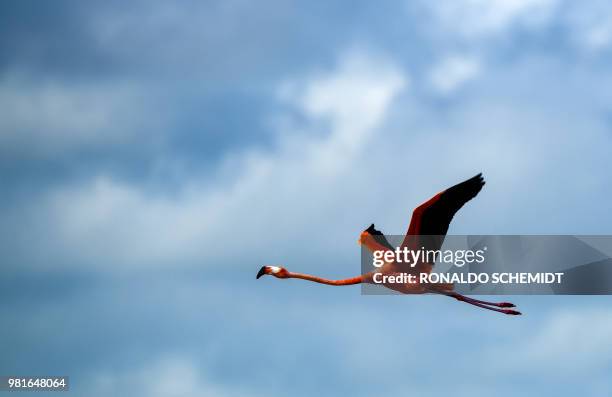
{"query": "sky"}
[(153, 155)]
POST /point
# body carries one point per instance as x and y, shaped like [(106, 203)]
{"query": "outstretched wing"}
[(433, 217)]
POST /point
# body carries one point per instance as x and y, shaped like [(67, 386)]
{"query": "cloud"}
[(107, 221), (585, 27), (590, 26), (353, 142), (340, 160), (47, 118), (473, 19), (354, 100), (453, 72)]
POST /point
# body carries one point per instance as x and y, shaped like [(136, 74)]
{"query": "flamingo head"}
[(276, 271)]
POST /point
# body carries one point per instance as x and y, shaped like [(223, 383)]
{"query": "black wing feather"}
[(436, 218), (379, 237)]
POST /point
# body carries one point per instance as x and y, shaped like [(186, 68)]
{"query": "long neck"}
[(346, 281)]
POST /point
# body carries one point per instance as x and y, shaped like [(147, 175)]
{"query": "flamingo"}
[(428, 227)]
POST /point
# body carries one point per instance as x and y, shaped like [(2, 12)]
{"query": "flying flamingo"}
[(428, 227)]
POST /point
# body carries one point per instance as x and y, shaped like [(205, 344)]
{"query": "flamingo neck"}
[(321, 280)]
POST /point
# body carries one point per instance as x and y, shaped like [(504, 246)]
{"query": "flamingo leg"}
[(505, 311), (496, 304), (483, 304)]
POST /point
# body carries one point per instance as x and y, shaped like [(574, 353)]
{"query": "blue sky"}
[(154, 155)]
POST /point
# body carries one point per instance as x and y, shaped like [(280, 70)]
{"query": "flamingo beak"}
[(261, 272)]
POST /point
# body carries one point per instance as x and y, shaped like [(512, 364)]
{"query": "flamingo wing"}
[(433, 217), (379, 237), (429, 224)]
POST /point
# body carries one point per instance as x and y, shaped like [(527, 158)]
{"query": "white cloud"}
[(453, 72), (262, 198), (484, 18), (588, 24), (354, 100)]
